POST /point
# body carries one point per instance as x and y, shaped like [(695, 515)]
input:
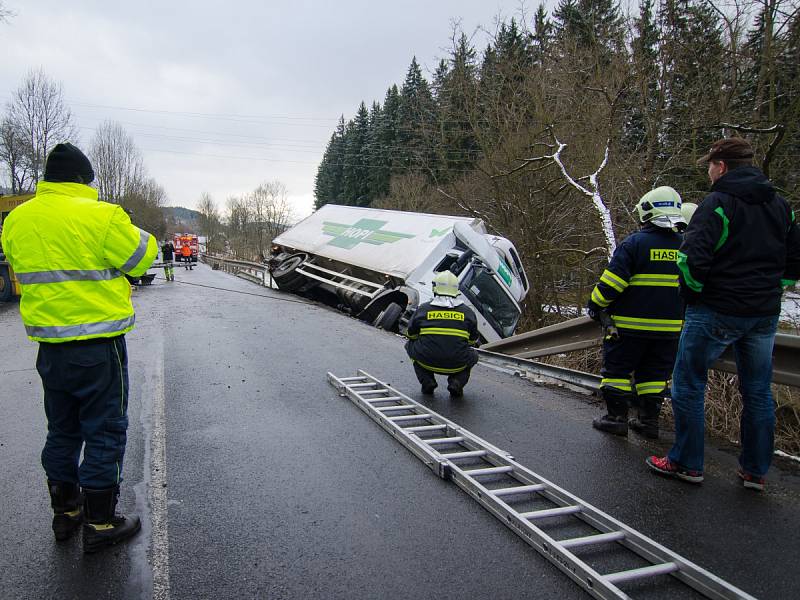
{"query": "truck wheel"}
[(5, 285), (285, 276), (387, 319)]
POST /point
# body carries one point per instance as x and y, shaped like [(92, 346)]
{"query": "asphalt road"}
[(256, 480)]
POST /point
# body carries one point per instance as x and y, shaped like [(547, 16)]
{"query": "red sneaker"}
[(751, 482), (663, 465)]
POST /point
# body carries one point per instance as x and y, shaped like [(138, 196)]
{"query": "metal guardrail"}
[(580, 333), (251, 271)]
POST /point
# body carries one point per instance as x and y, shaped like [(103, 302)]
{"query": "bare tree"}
[(269, 213), (117, 162), (237, 218), (144, 202), (38, 112), (210, 223), (14, 153), (5, 13)]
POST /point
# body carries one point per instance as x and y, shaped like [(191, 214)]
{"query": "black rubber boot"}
[(455, 388), (649, 410), (616, 421), (104, 527), (66, 500)]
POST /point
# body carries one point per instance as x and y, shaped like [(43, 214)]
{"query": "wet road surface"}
[(256, 480)]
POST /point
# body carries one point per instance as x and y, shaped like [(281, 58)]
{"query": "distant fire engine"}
[(185, 239)]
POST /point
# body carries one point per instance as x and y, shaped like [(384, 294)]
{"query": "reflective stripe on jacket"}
[(70, 253), (640, 288), (441, 337)]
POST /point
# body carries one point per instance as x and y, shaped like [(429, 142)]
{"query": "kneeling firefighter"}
[(638, 292), (441, 335)]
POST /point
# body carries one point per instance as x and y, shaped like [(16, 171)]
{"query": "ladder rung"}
[(520, 489), (421, 428), (357, 378), (371, 400), (393, 408), (651, 571), (488, 471), (410, 417), (588, 540), (376, 391), (551, 512), (450, 440), (368, 383), (469, 454)]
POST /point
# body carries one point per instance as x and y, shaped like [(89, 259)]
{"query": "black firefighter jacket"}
[(741, 247), (639, 288), (441, 338)]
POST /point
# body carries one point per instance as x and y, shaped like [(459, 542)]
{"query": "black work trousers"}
[(428, 379), (86, 403)]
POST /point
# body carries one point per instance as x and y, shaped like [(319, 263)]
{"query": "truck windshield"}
[(489, 298)]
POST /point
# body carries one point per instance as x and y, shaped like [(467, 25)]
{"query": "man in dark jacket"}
[(741, 249), (168, 255), (639, 292), (441, 335)]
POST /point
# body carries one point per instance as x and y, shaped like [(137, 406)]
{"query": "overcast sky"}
[(221, 96)]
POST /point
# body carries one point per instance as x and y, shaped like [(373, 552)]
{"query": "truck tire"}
[(387, 319), (6, 289), (284, 274)]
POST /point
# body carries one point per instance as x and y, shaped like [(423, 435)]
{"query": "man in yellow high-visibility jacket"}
[(71, 254)]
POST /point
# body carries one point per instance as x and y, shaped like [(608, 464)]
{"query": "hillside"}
[(181, 219)]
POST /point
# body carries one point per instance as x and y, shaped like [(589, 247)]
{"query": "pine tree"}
[(542, 37), (416, 118), (355, 185), (328, 182)]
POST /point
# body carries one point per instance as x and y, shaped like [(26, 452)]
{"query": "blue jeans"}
[(705, 336)]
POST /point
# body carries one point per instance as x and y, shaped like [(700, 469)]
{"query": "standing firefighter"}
[(441, 335), (71, 254), (168, 255), (639, 292)]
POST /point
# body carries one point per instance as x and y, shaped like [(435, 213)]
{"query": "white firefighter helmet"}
[(687, 210), (661, 207), (445, 284)]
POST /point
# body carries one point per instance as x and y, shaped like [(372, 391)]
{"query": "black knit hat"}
[(66, 163)]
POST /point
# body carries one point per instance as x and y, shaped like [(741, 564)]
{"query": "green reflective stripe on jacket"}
[(599, 299), (620, 384), (666, 325), (444, 331), (615, 281), (139, 253), (725, 223), (650, 387), (83, 330), (693, 284), (439, 369), (654, 280), (73, 275)]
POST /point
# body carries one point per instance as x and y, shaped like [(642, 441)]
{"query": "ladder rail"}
[(609, 530)]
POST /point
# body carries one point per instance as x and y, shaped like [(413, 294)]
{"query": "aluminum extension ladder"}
[(493, 478)]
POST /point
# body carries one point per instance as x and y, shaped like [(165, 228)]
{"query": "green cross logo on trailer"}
[(364, 230)]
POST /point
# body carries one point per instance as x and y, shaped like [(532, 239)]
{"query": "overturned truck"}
[(379, 264)]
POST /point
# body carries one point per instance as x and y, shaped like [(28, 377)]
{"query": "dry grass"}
[(723, 402)]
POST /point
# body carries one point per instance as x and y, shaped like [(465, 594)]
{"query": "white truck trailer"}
[(380, 264)]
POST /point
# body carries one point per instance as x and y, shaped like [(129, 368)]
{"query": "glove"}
[(593, 311)]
